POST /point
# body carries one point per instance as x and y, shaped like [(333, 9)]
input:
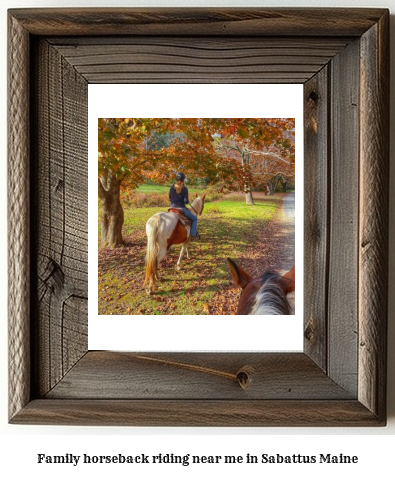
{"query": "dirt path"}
[(287, 239), (275, 250)]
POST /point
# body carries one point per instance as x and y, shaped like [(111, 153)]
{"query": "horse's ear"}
[(197, 196), (240, 277), (288, 281), (204, 197)]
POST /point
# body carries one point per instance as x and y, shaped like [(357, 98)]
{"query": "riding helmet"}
[(180, 177)]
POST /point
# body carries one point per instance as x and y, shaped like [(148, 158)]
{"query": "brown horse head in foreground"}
[(264, 295)]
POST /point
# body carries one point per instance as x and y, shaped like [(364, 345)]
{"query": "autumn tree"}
[(131, 150), (119, 141), (264, 147), (277, 166)]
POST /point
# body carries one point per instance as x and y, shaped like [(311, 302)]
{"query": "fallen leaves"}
[(204, 285)]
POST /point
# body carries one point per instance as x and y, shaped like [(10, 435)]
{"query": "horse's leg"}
[(161, 254), (186, 244), (182, 252)]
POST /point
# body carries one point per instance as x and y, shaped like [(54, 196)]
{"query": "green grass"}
[(153, 188), (227, 227), (164, 188)]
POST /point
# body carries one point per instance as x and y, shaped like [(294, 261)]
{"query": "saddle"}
[(185, 221)]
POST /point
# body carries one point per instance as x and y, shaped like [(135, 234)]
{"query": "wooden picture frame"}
[(342, 58)]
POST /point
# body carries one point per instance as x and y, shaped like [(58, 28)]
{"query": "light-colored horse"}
[(164, 231)]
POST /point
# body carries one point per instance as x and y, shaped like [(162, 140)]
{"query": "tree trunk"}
[(245, 160), (248, 194), (112, 211), (272, 187)]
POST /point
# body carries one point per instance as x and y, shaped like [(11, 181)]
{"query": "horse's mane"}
[(270, 298)]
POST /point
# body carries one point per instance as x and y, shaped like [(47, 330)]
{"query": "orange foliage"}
[(136, 149)]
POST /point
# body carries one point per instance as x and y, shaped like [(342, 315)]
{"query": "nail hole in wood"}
[(313, 96), (244, 376), (308, 333)]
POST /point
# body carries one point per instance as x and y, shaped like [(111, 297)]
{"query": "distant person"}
[(178, 196)]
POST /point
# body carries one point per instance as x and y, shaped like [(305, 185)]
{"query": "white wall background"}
[(20, 444)]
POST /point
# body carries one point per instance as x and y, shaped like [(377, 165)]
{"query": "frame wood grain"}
[(342, 58)]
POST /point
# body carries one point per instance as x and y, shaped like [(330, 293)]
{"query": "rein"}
[(197, 214)]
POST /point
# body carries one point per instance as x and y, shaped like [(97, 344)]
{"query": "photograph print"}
[(196, 216)]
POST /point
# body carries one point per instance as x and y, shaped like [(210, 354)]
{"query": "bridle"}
[(198, 213)]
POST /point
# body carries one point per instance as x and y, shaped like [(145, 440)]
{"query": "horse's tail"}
[(151, 266)]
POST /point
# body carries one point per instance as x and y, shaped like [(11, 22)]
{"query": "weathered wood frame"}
[(342, 57)]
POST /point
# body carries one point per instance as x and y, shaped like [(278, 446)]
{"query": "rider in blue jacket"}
[(178, 196)]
